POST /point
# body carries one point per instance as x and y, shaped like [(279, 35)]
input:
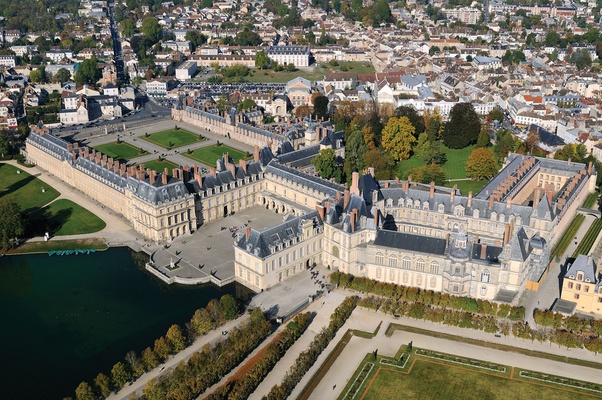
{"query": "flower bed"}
[(359, 381), (559, 380), (461, 360)]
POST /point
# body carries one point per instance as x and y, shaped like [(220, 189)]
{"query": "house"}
[(7, 61), (159, 87), (186, 70), (75, 116), (340, 80), (298, 91), (582, 286), (58, 55), (110, 90), (483, 63), (298, 56)]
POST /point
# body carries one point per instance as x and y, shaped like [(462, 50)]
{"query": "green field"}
[(468, 186), (454, 167), (174, 138), (120, 150), (209, 155), (588, 240), (64, 217), (429, 380), (312, 73), (159, 166), (568, 235), (24, 189), (591, 200)]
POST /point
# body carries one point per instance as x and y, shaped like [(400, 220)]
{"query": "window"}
[(433, 282), (434, 267), (485, 276), (379, 259), (578, 287), (393, 261), (571, 285), (576, 296), (379, 272), (407, 263), (483, 290), (586, 288), (420, 265), (405, 277), (599, 299), (392, 275)]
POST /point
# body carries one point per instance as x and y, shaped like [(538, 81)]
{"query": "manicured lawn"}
[(468, 186), (120, 150), (312, 73), (591, 200), (209, 155), (24, 189), (69, 218), (43, 247), (454, 167), (588, 240), (428, 381), (174, 138), (159, 166)]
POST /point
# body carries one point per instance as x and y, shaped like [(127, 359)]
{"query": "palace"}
[(490, 245)]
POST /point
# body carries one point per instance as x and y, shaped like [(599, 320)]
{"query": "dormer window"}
[(400, 202), (441, 208), (579, 276), (476, 213)]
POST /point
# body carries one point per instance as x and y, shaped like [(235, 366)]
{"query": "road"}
[(117, 54)]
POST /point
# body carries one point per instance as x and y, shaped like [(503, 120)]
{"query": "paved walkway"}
[(367, 320), (212, 337)]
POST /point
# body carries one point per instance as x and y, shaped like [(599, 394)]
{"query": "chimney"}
[(469, 204), (198, 177), (569, 161), (536, 195), (256, 153), (550, 194), (247, 233), (74, 156), (151, 178), (483, 251), (386, 185), (355, 179), (327, 205), (346, 197), (147, 173), (371, 171), (164, 176), (508, 202), (320, 208), (406, 187), (243, 164), (453, 193), (432, 191), (213, 172), (337, 197), (491, 200), (409, 178), (376, 219), (353, 215), (507, 233), (589, 168)]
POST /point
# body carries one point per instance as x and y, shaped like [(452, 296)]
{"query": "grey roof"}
[(265, 243), (207, 114), (157, 192), (586, 265), (52, 144), (544, 209), (407, 241), (510, 169), (310, 181), (224, 177), (520, 246), (491, 253), (299, 157), (101, 173)]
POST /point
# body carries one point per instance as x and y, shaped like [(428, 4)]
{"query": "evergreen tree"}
[(463, 127)]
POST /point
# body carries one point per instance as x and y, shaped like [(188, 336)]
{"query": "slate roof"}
[(407, 241), (100, 173), (260, 243), (586, 265), (158, 192), (53, 144), (367, 184), (312, 182), (491, 253), (520, 246), (301, 157)]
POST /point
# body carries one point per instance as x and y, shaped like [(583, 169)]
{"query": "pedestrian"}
[(334, 387)]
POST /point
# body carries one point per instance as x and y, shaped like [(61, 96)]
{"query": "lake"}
[(67, 318)]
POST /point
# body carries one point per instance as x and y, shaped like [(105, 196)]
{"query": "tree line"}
[(242, 388), (307, 358), (215, 314)]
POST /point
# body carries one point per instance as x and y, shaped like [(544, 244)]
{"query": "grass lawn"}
[(24, 189), (468, 186), (454, 167), (312, 73), (120, 151), (208, 155), (428, 380), (70, 218), (43, 247), (174, 138), (159, 166)]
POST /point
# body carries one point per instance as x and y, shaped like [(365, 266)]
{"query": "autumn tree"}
[(162, 348), (149, 359), (495, 115), (119, 375), (481, 164), (433, 124), (201, 322), (382, 163), (428, 173), (103, 384), (303, 111), (398, 137), (214, 308), (176, 338), (463, 127), (84, 392)]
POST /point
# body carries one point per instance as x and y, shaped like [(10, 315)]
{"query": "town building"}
[(582, 286), (299, 56)]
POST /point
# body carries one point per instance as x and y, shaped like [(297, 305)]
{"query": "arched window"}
[(379, 259), (485, 276), (419, 280), (473, 273), (392, 275), (433, 282), (579, 276), (393, 261), (407, 263), (434, 267), (405, 277), (335, 251), (420, 265), (379, 273)]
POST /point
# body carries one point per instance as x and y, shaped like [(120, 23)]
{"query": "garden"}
[(120, 150), (173, 138), (568, 235), (63, 217), (208, 155), (159, 165), (588, 240), (24, 189)]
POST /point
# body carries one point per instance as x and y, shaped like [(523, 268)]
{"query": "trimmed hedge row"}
[(588, 240), (568, 235), (306, 359), (242, 388)]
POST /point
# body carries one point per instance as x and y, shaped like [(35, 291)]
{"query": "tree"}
[(246, 104), (505, 144), (84, 392), (428, 173), (483, 140), (128, 28), (214, 308), (88, 72), (463, 126), (321, 106), (416, 120), (552, 38), (38, 75), (12, 224), (229, 306), (262, 60), (257, 316), (149, 359), (495, 115), (176, 338), (201, 322), (151, 29), (422, 148), (196, 38), (303, 111), (398, 137), (103, 385), (581, 59), (162, 348), (325, 163), (382, 163), (5, 143), (481, 164), (120, 375), (62, 76)]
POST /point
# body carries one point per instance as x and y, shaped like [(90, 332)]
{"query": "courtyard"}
[(120, 150), (159, 165), (173, 138), (209, 154)]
